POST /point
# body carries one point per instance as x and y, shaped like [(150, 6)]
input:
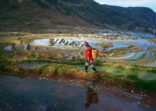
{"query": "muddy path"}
[(29, 94)]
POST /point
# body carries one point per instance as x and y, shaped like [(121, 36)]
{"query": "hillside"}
[(51, 15)]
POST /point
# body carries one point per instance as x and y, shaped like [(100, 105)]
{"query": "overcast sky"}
[(127, 3)]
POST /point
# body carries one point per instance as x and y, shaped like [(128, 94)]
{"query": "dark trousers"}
[(87, 64)]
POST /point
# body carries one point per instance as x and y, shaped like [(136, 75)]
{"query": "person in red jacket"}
[(89, 58)]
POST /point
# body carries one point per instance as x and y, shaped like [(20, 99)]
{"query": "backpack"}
[(94, 53)]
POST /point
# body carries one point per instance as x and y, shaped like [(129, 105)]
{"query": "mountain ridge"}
[(85, 13)]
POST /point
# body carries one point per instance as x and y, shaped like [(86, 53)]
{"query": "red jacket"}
[(88, 55)]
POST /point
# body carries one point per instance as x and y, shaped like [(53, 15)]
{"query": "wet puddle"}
[(32, 64), (26, 94), (147, 76)]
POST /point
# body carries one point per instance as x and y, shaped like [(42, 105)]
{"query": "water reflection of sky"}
[(137, 55), (8, 48), (92, 42), (76, 43), (145, 44), (43, 42), (19, 47), (115, 44)]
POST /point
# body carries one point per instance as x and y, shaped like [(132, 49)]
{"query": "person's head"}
[(87, 44)]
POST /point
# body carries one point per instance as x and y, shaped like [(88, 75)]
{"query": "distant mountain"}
[(46, 14)]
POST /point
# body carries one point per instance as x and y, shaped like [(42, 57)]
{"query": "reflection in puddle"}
[(26, 94), (91, 97)]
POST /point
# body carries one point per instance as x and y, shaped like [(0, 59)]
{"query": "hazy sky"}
[(126, 3)]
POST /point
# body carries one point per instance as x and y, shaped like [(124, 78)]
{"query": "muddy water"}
[(77, 42), (74, 43), (32, 65), (28, 94)]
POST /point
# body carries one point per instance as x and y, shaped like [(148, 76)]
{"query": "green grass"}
[(154, 55), (146, 85), (111, 72)]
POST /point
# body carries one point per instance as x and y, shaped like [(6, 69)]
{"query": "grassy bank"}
[(110, 73)]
